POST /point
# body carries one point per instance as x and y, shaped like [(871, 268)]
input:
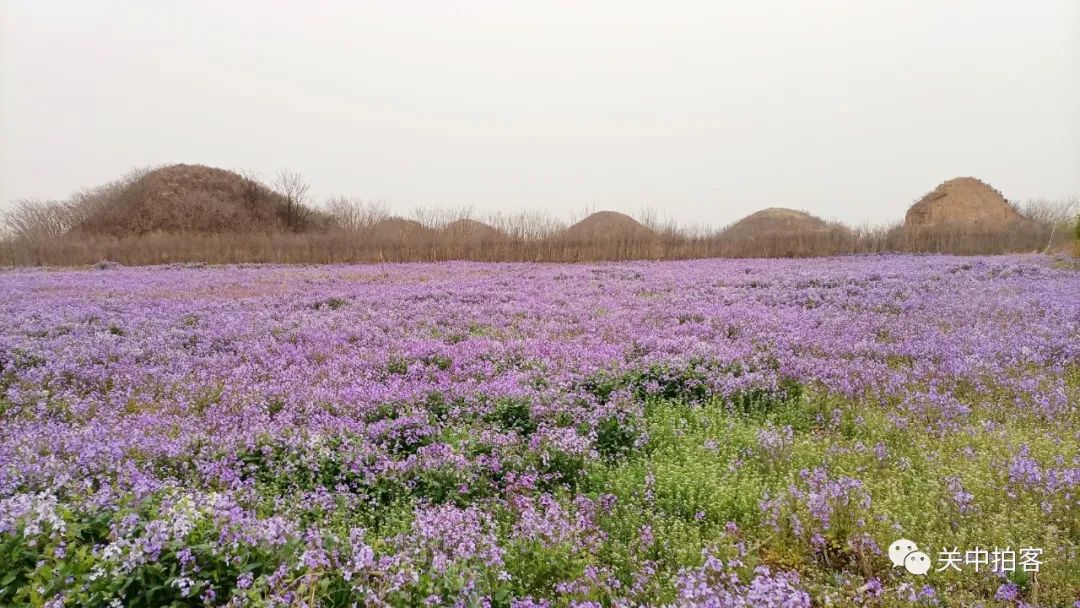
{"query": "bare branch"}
[(292, 187)]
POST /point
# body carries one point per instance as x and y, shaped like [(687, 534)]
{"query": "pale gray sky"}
[(704, 111)]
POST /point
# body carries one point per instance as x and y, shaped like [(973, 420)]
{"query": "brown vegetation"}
[(472, 230), (191, 199), (779, 232), (967, 215), (776, 220), (607, 226), (965, 202), (190, 213)]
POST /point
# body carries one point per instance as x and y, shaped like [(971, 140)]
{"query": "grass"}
[(700, 483), (704, 467)]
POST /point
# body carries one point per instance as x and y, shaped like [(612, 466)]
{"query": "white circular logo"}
[(917, 562), (899, 550)]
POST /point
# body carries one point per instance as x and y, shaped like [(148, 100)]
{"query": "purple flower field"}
[(710, 433)]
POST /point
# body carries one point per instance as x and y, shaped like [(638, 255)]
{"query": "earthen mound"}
[(400, 229), (606, 226), (471, 231), (776, 221), (962, 202), (185, 198)]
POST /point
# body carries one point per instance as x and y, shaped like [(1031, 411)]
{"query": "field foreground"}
[(709, 433)]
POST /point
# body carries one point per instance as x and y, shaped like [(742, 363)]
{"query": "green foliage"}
[(535, 569), (616, 436), (447, 485), (398, 366), (37, 567), (514, 415), (562, 469), (437, 407), (704, 467), (330, 304)]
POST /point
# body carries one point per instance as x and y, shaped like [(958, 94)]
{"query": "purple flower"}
[(1007, 592), (460, 411)]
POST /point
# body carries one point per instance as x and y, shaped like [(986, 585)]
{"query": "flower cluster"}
[(532, 434)]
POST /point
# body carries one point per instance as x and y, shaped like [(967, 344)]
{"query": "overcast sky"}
[(703, 111)]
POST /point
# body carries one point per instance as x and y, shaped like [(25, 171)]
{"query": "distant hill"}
[(189, 199), (196, 213), (472, 231), (607, 226), (964, 202), (776, 221), (400, 229)]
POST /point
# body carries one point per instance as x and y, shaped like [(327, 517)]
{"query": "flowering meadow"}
[(709, 433)]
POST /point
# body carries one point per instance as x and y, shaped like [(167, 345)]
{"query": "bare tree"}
[(98, 205), (356, 215), (36, 220), (252, 189), (292, 187), (1050, 212)]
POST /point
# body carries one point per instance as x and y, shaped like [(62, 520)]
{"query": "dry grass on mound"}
[(776, 220), (472, 231), (193, 198), (191, 213), (343, 247), (606, 226), (963, 201)]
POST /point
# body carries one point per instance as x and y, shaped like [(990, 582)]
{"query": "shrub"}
[(616, 436), (514, 415)]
